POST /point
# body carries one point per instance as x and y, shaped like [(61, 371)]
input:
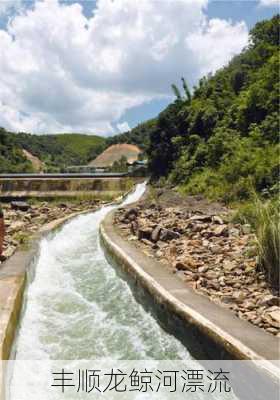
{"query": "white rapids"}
[(78, 308)]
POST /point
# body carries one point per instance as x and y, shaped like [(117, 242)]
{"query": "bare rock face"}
[(20, 205)]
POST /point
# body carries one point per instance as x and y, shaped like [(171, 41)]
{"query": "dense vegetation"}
[(62, 150), (11, 157), (56, 151), (223, 140)]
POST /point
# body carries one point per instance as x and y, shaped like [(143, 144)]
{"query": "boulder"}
[(217, 220), (144, 233), (20, 205), (234, 232), (134, 228), (273, 318), (202, 218), (156, 233), (221, 230), (269, 300), (239, 296), (188, 264), (131, 213), (167, 234)]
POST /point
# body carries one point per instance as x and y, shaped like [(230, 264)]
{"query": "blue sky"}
[(248, 11), (106, 66)]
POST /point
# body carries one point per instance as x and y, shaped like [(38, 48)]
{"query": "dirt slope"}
[(37, 164), (115, 153)]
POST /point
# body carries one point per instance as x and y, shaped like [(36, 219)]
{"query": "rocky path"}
[(23, 220), (215, 257)]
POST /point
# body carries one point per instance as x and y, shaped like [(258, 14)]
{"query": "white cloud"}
[(7, 5), (61, 71), (123, 127), (270, 3)]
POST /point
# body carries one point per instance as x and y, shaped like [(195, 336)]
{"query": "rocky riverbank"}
[(22, 220), (212, 255)]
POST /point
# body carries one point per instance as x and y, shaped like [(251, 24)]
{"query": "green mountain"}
[(56, 151)]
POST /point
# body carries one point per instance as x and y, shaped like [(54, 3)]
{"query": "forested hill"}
[(56, 151), (223, 140)]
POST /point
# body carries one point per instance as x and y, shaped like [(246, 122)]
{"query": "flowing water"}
[(77, 307)]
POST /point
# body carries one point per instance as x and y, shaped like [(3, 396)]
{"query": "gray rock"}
[(221, 230), (204, 218), (167, 234), (269, 300), (131, 213), (156, 233), (20, 205), (144, 233), (217, 220), (134, 227)]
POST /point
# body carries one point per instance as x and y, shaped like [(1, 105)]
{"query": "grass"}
[(263, 216), (268, 239)]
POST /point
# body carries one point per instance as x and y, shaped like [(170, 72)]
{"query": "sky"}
[(103, 66)]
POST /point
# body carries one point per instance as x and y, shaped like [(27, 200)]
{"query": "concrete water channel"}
[(78, 307)]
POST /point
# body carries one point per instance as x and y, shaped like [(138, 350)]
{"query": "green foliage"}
[(223, 141), (84, 147), (11, 157), (62, 150), (120, 166), (176, 92), (268, 238)]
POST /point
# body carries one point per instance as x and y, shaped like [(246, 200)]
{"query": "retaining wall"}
[(208, 330)]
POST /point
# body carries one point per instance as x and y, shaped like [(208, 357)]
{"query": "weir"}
[(65, 185)]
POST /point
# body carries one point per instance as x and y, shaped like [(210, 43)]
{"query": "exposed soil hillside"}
[(115, 153), (37, 164)]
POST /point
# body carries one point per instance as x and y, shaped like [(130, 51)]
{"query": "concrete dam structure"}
[(65, 185)]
